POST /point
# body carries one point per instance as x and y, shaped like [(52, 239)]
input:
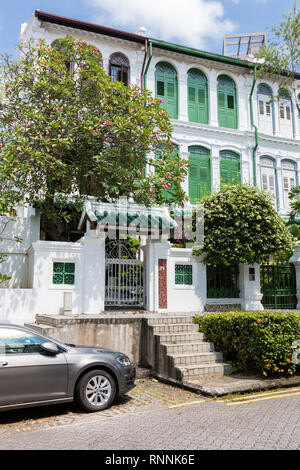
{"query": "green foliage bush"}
[(254, 342), (241, 225)]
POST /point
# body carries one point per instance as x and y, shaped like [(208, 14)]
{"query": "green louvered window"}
[(183, 274), (63, 273), (197, 97), (168, 194), (199, 173), (166, 88), (227, 102), (230, 167)]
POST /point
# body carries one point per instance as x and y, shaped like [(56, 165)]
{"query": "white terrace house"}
[(215, 103)]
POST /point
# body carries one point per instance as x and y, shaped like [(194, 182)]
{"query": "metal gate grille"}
[(222, 282), (278, 286), (124, 276)]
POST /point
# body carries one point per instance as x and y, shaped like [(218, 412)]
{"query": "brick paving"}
[(147, 395), (148, 420)]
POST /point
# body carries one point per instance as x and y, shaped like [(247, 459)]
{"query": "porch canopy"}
[(126, 217)]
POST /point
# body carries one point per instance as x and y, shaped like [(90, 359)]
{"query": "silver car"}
[(38, 370)]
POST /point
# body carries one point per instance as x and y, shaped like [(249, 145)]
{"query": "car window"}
[(13, 341)]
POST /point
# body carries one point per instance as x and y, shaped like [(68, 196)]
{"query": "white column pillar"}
[(277, 117), (93, 290), (242, 104), (182, 95), (295, 259), (296, 121), (215, 169), (249, 281), (245, 166), (213, 99), (280, 202)]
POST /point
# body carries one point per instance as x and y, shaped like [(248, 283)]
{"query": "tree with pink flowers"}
[(66, 129)]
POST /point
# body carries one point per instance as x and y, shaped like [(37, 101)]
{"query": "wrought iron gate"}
[(278, 286), (222, 282), (124, 276)]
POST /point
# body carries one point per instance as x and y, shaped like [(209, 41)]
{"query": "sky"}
[(196, 23)]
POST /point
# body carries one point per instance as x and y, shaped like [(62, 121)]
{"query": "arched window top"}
[(166, 69), (267, 161), (197, 75), (117, 58), (288, 165), (226, 82), (264, 89), (198, 150), (119, 68), (229, 155)]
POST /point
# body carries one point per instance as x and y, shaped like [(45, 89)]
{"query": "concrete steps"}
[(194, 359), (41, 328), (175, 328), (178, 338), (184, 348), (181, 352), (203, 370)]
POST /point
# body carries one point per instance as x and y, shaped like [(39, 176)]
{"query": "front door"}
[(26, 374)]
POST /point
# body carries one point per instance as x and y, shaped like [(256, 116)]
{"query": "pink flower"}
[(42, 110), (59, 109), (106, 123), (96, 131), (47, 137)]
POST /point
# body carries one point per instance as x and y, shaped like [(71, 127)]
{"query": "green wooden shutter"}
[(199, 173), (227, 103), (197, 97), (192, 106), (230, 167), (166, 88)]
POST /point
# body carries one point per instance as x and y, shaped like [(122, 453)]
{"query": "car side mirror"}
[(50, 348)]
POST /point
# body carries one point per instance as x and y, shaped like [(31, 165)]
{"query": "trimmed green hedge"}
[(259, 342)]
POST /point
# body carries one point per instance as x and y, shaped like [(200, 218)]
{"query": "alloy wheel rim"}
[(98, 390)]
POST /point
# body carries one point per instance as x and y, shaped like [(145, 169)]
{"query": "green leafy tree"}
[(281, 56), (242, 226), (294, 214), (68, 129)]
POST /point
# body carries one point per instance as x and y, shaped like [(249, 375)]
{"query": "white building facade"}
[(214, 103)]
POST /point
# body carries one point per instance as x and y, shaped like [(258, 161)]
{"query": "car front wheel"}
[(95, 391)]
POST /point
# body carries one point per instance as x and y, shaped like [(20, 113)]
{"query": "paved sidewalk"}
[(270, 421), (229, 384), (148, 395)]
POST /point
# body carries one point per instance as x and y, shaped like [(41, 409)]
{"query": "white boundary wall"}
[(16, 263), (43, 297)]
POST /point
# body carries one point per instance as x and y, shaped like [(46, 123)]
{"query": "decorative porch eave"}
[(126, 217)]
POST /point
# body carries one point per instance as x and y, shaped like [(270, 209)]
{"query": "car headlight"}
[(123, 360)]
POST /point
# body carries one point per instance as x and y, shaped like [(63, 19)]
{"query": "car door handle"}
[(3, 364)]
